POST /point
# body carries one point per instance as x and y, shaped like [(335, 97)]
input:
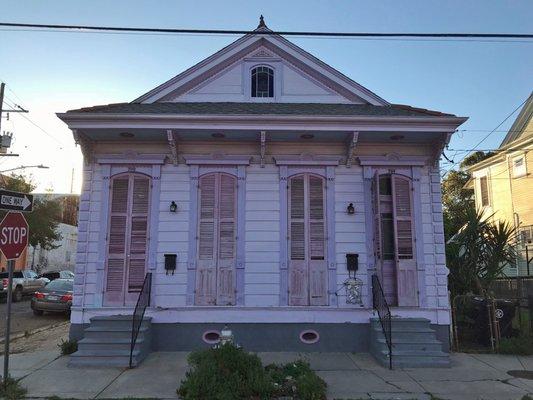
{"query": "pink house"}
[(245, 188)]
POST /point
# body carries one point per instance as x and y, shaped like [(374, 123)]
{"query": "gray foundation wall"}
[(267, 337)]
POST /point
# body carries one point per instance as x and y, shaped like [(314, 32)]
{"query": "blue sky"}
[(50, 72)]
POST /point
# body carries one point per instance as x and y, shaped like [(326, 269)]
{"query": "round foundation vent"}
[(211, 337), (309, 336)]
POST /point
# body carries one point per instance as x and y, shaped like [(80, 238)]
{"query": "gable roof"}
[(521, 123), (211, 108), (265, 37)]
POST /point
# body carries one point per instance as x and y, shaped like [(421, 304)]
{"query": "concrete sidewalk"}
[(349, 376)]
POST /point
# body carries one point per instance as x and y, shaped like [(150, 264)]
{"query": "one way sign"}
[(15, 201)]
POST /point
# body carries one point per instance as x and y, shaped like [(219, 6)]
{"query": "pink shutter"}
[(298, 277), (404, 241), (138, 233), (377, 226), (206, 271), (226, 239), (317, 242), (116, 254)]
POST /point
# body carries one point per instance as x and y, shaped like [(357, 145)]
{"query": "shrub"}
[(68, 346), (297, 379), (11, 391), (230, 373), (521, 345), (225, 373)]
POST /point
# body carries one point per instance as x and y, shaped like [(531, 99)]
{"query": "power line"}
[(264, 32), (487, 136)]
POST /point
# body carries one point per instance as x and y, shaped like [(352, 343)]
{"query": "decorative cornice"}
[(131, 157), (393, 159), (307, 159), (217, 159)]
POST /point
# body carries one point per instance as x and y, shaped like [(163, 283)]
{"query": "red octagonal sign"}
[(14, 234)]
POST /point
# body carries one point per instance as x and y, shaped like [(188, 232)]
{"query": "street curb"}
[(33, 331)]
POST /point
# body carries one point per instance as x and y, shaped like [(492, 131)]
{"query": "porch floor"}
[(349, 376)]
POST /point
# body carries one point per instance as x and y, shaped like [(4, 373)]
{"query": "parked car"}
[(24, 283), (54, 297), (51, 275)]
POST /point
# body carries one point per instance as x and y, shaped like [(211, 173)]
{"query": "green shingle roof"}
[(310, 109)]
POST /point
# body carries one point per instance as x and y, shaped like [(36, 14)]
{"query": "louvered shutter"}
[(226, 239), (404, 240), (206, 272), (138, 233), (116, 254), (377, 226), (298, 276), (317, 242)]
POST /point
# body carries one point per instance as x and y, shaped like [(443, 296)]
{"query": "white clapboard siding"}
[(262, 236)]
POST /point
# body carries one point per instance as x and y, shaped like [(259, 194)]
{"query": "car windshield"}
[(60, 285)]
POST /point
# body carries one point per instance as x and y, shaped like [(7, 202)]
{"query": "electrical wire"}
[(85, 28)]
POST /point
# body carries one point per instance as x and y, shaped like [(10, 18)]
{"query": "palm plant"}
[(478, 253)]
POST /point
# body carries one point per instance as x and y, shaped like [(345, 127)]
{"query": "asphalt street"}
[(22, 318)]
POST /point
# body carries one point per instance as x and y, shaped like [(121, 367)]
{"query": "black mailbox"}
[(352, 262), (170, 263)]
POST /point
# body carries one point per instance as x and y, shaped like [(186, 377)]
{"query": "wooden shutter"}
[(298, 277), (116, 257), (226, 239), (377, 226), (404, 240), (206, 272), (317, 242), (138, 233)]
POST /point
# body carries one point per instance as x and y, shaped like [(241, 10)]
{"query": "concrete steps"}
[(107, 341), (414, 344)]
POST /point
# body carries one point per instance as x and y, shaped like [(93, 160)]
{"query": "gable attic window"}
[(484, 189), (262, 82), (519, 167)]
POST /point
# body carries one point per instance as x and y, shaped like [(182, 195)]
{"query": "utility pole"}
[(20, 109)]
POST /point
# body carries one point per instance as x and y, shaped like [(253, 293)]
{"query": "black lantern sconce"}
[(350, 209), (173, 207)]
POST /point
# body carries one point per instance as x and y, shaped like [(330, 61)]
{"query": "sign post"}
[(14, 233)]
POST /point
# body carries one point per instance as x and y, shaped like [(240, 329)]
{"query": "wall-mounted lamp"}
[(173, 206), (350, 209)]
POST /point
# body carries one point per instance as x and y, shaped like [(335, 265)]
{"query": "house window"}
[(484, 189), (262, 82), (519, 167)]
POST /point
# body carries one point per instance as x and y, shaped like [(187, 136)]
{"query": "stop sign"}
[(14, 234)]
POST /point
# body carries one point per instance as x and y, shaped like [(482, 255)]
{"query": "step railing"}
[(379, 303), (138, 313)]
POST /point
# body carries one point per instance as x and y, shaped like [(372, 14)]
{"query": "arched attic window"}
[(262, 82)]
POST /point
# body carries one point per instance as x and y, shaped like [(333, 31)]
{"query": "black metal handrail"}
[(379, 303), (138, 313)]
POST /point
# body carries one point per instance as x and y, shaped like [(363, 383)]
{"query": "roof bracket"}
[(440, 147), (263, 148), (172, 143), (86, 146), (351, 149)]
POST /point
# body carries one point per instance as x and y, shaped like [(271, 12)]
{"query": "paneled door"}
[(404, 243), (127, 239), (308, 280), (217, 232)]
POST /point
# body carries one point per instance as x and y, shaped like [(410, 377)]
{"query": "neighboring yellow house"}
[(503, 184)]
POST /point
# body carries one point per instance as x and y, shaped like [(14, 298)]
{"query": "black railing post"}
[(379, 303), (138, 313)]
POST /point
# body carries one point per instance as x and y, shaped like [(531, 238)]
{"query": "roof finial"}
[(261, 22)]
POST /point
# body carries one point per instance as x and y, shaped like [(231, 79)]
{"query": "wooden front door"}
[(127, 238), (308, 280), (217, 231), (404, 244)]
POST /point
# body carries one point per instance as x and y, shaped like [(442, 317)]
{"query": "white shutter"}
[(226, 239), (317, 242), (404, 240), (298, 274)]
